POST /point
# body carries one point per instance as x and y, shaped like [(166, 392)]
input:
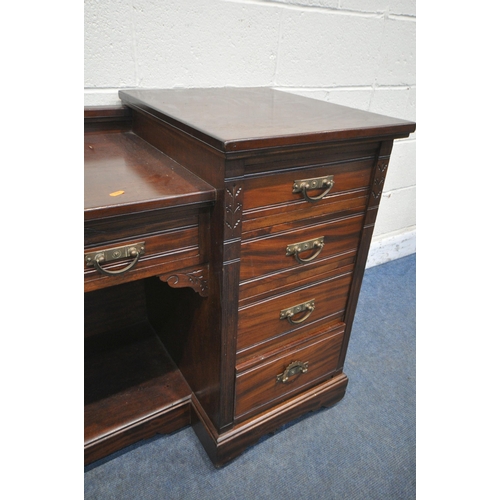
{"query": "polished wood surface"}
[(235, 119), (295, 277), (266, 255), (207, 178), (260, 322), (258, 388), (107, 118), (166, 250), (264, 197), (123, 173), (135, 193), (223, 447)]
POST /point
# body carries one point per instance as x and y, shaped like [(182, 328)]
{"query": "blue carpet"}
[(362, 448)]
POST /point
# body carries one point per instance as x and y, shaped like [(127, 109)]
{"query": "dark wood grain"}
[(125, 226), (258, 388), (298, 156), (291, 342), (104, 311), (107, 119), (295, 277), (133, 389), (223, 448), (164, 252), (201, 159), (267, 255), (348, 177), (146, 178), (213, 322), (165, 421), (260, 322), (235, 119), (205, 177), (258, 222)]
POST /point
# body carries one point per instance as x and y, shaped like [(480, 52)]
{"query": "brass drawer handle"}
[(296, 248), (292, 369), (291, 311), (96, 259), (304, 185)]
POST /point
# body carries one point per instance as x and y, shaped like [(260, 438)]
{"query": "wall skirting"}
[(392, 248)]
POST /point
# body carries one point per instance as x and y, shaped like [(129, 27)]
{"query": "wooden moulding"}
[(224, 447), (107, 118), (294, 119), (125, 175)]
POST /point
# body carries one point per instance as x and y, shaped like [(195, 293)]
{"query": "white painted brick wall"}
[(358, 53)]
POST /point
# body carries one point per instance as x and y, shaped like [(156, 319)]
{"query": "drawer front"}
[(279, 283), (161, 253), (299, 248), (271, 200), (107, 230), (282, 376), (263, 321)]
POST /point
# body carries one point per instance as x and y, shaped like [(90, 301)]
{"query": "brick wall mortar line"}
[(311, 8)]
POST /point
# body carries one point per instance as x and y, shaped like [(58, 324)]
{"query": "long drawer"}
[(333, 189), (287, 373), (125, 250), (298, 248), (310, 306), (296, 277)]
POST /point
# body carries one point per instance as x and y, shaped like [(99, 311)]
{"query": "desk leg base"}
[(224, 447)]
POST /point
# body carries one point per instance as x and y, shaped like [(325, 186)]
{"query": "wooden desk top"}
[(124, 174), (236, 119)]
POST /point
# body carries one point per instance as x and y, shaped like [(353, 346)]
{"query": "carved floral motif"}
[(233, 207), (378, 181)]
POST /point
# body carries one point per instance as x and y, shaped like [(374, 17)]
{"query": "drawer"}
[(271, 200), (300, 248), (141, 257), (284, 375), (274, 284), (262, 321)]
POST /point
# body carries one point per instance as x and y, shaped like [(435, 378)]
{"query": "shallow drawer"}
[(281, 376), (299, 248), (267, 319), (140, 257), (274, 199), (273, 284)]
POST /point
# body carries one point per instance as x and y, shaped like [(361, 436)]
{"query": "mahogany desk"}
[(226, 236)]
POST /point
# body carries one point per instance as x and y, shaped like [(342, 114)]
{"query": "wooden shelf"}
[(133, 390), (134, 192), (125, 174)]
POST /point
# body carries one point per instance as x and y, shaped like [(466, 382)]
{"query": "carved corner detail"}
[(233, 207), (192, 278), (379, 179)]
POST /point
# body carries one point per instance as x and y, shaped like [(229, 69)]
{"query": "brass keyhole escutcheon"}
[(294, 368)]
